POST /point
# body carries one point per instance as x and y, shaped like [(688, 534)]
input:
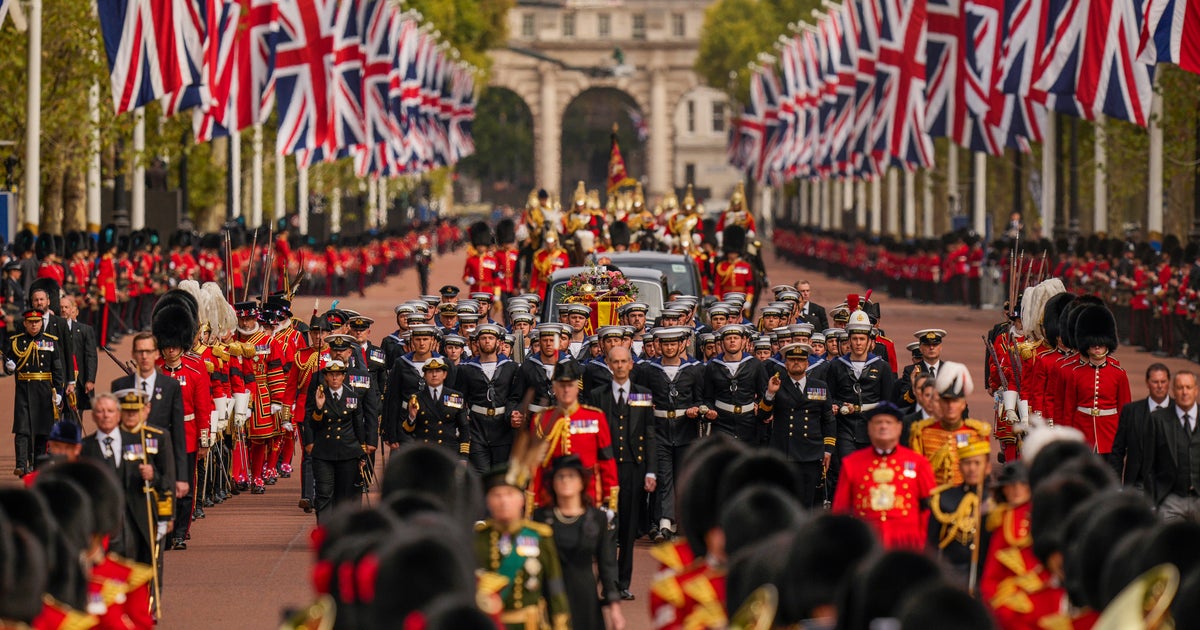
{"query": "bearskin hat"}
[(24, 241), (1095, 326), (758, 467), (708, 230), (76, 241), (825, 552), (72, 510), (44, 245), (480, 234), (756, 512), (174, 327), (137, 240), (734, 239), (1051, 316), (1053, 501), (427, 468), (1093, 530), (178, 297), (619, 234), (943, 606), (697, 498), (506, 232), (445, 571), (50, 286), (23, 565), (886, 584)]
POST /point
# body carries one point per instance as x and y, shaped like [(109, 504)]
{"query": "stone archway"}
[(587, 122), (503, 126)]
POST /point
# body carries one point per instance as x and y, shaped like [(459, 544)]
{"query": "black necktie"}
[(1187, 423), (621, 397), (932, 372), (336, 397)]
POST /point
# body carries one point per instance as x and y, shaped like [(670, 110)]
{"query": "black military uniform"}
[(371, 356), (365, 385), (904, 397), (801, 425), (630, 415), (338, 437), (406, 377), (39, 363), (673, 392), (732, 389), (957, 515), (533, 391), (441, 419), (488, 401), (855, 393)]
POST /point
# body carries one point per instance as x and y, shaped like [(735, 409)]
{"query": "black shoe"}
[(197, 513), (243, 485), (270, 481), (285, 474), (257, 489), (626, 595), (657, 536), (208, 502), (306, 505), (177, 544)]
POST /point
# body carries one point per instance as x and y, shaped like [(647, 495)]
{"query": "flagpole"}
[(910, 204), (93, 168), (280, 188), (836, 212), (1099, 170), (256, 178), (927, 204), (33, 120), (876, 205), (302, 199), (1154, 210), (335, 212), (1049, 174), (979, 211), (137, 206), (234, 189), (952, 177), (860, 205), (893, 202)]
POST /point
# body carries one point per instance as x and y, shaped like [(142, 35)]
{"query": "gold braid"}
[(961, 524)]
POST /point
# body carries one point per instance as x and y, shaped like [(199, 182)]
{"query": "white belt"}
[(189, 417), (487, 411), (669, 413), (1093, 411), (536, 408), (746, 408)]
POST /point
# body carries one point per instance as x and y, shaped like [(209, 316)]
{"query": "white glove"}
[(214, 421), (241, 404), (9, 365), (224, 406), (287, 427), (275, 407), (57, 399), (162, 529), (611, 515), (239, 419)]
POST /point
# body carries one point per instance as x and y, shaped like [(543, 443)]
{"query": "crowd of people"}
[(794, 467)]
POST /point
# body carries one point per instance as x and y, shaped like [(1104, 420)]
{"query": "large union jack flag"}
[(1168, 35), (899, 119), (241, 74), (304, 57), (197, 20), (147, 49), (845, 63), (864, 87), (379, 39)]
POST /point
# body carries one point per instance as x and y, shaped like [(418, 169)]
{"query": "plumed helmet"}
[(954, 380)]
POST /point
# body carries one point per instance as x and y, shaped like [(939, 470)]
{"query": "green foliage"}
[(736, 31), (503, 130)]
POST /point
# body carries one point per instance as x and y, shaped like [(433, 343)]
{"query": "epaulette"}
[(984, 429), (151, 429), (49, 336), (591, 408), (542, 529), (921, 425), (483, 525)]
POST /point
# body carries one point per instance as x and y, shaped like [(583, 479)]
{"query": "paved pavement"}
[(249, 559)]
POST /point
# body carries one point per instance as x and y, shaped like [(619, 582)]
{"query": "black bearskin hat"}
[(708, 229), (108, 238), (618, 233), (178, 297), (430, 469), (506, 232), (76, 241), (1095, 326), (50, 286), (1052, 314), (734, 240), (1070, 315), (437, 549), (44, 245), (697, 499), (1094, 529), (480, 234), (173, 327), (24, 241)]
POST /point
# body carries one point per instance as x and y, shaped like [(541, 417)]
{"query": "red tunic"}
[(54, 271), (1095, 395), (885, 491), (583, 432), (305, 364), (197, 398), (265, 380), (506, 269), (545, 263), (734, 276)]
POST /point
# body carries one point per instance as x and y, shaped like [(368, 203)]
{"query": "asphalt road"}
[(249, 559)]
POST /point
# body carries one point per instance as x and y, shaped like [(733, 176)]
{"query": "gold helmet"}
[(593, 199), (639, 199), (738, 198), (580, 194), (689, 200), (670, 201), (532, 201)]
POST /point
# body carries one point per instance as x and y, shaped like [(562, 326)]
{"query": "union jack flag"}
[(846, 64), (1162, 34), (864, 86), (764, 90), (195, 22), (781, 156), (241, 76), (1024, 115), (1057, 66), (147, 50), (304, 57), (943, 98), (827, 41), (899, 127), (374, 156), (462, 143)]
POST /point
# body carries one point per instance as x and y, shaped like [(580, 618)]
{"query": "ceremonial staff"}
[(152, 521)]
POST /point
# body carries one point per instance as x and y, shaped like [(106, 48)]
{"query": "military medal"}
[(910, 470), (505, 545), (533, 566)]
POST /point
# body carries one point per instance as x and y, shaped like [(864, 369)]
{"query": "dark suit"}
[(904, 396), (133, 540), (337, 434), (1174, 453), (1133, 440), (815, 316), (166, 411), (57, 325), (83, 353), (634, 448), (802, 429)]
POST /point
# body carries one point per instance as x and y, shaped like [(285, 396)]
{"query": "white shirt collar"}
[(1153, 405), (337, 392), (149, 380), (1179, 411), (617, 387)]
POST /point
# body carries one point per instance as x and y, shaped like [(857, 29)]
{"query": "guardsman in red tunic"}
[(479, 272), (175, 331), (887, 485), (290, 342), (1097, 388), (574, 429), (506, 259), (106, 285), (737, 213), (734, 275), (1041, 399), (550, 258)]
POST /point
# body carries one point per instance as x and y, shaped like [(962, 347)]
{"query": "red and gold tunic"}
[(581, 431), (305, 363), (1095, 395), (193, 380), (940, 445), (887, 491), (265, 380), (687, 592), (734, 276), (545, 263)]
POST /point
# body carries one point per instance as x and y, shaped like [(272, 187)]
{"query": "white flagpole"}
[(235, 175), (137, 207), (877, 205), (980, 214), (927, 205), (1049, 162), (1154, 210), (1100, 170), (93, 168), (910, 204), (302, 199), (33, 120), (256, 178), (893, 202), (335, 212), (280, 187)]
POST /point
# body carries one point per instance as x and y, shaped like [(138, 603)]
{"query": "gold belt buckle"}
[(491, 411), (1095, 411), (737, 409)]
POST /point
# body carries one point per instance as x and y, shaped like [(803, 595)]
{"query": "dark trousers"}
[(335, 483), (484, 457), (307, 483), (28, 449), (631, 502), (670, 462), (810, 479), (185, 505)]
